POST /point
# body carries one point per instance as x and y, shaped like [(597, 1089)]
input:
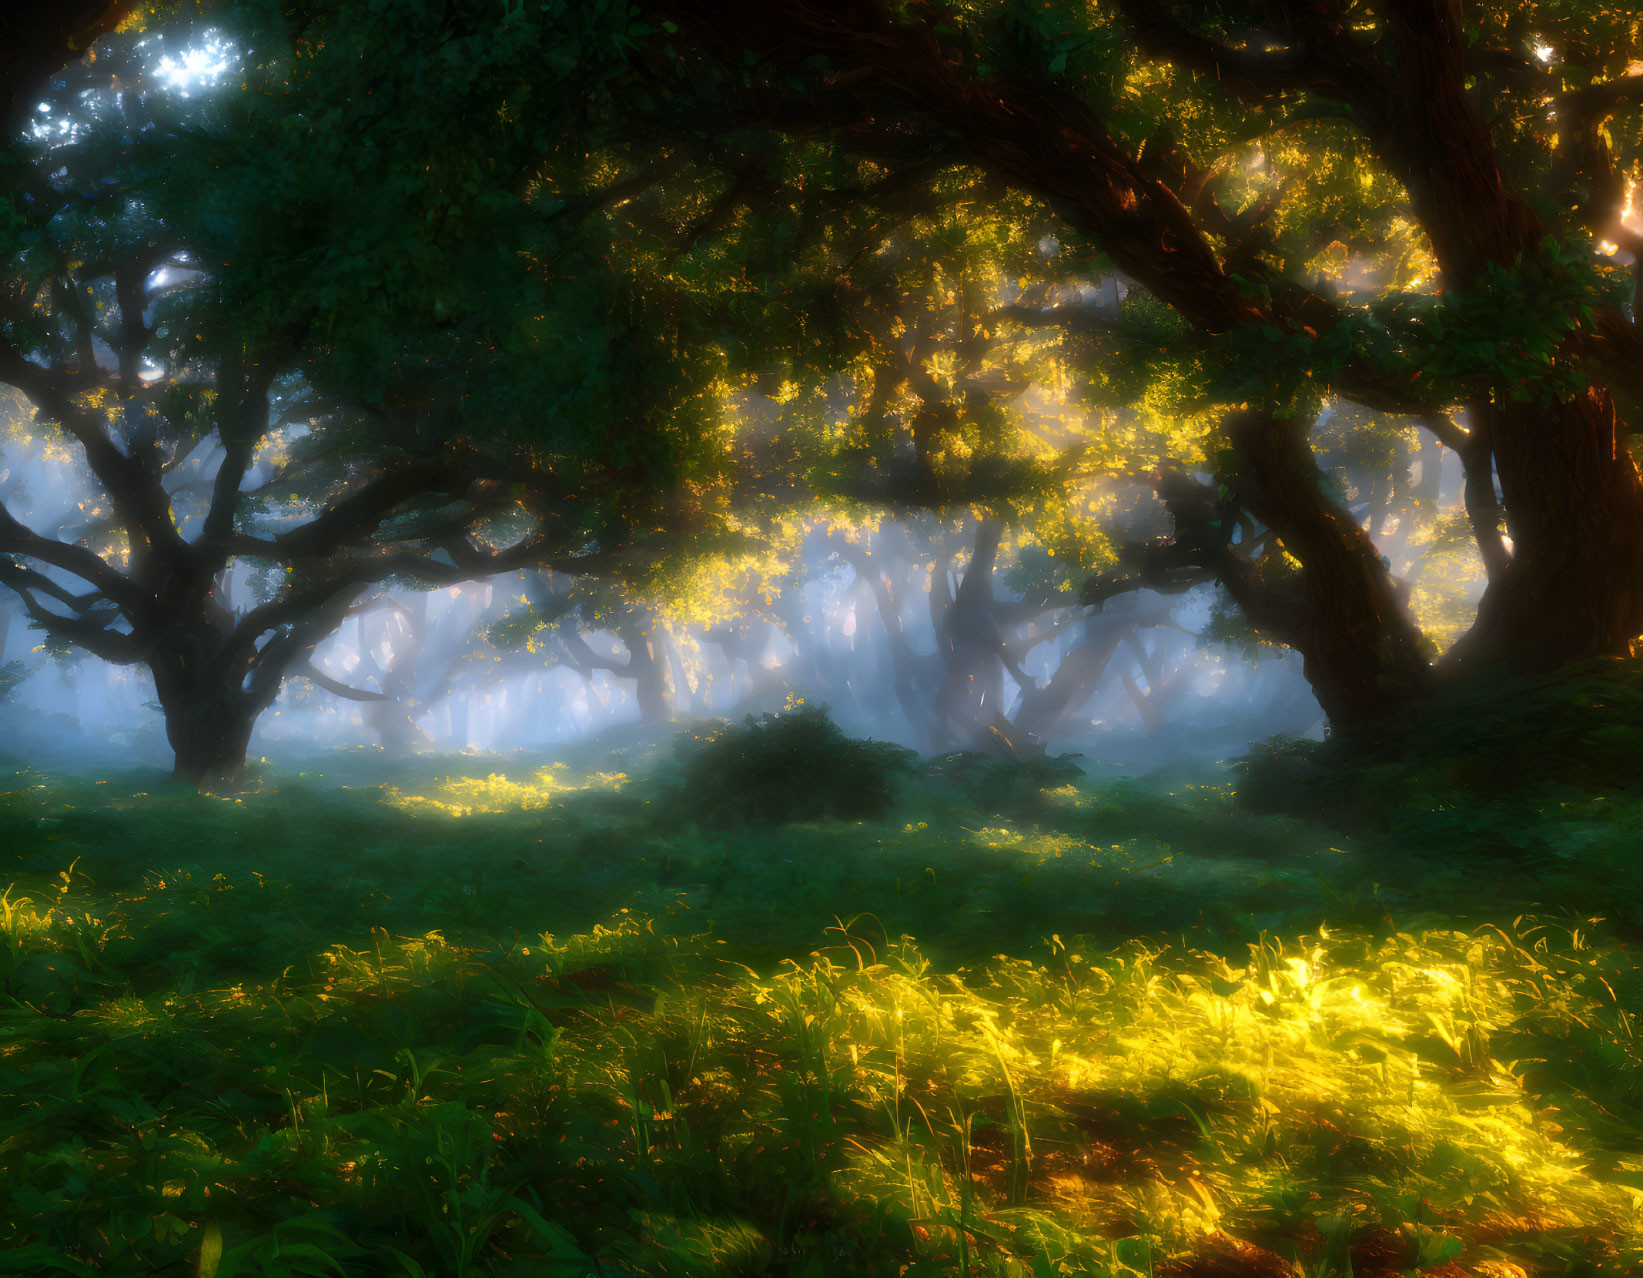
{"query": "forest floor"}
[(482, 1017)]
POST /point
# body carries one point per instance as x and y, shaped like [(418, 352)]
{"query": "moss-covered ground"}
[(481, 1017)]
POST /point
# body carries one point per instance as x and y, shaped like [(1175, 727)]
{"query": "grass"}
[(491, 1018)]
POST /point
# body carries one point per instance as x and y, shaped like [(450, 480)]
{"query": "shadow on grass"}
[(504, 1017)]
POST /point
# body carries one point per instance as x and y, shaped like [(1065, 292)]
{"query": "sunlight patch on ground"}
[(655, 1053), (465, 796)]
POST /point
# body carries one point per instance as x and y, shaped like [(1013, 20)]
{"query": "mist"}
[(434, 678), (873, 621)]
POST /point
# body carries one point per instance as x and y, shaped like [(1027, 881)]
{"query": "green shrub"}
[(1510, 749), (794, 765), (1288, 775), (994, 783)]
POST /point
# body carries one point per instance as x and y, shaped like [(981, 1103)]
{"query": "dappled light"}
[(565, 1026), (821, 639), (463, 796)]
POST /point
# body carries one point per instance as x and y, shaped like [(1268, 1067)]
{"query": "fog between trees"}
[(872, 621), (994, 385)]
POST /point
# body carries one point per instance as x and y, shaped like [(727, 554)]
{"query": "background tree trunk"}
[(905, 664), (969, 708), (1043, 710), (648, 665)]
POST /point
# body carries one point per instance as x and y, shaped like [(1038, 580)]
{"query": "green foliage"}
[(793, 765), (1004, 784), (1529, 750), (1506, 331), (468, 1025)]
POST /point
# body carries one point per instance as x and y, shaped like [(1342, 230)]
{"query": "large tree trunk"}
[(1572, 495), (213, 679), (1362, 651), (209, 739), (1573, 587), (1482, 507), (208, 715)]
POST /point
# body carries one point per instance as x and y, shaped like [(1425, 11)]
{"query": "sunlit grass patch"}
[(1173, 1095), (1099, 1109), (464, 796), (1104, 1038), (23, 925)]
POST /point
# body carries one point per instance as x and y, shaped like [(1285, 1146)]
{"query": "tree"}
[(957, 695), (560, 610), (277, 339), (456, 288), (417, 648), (1403, 205)]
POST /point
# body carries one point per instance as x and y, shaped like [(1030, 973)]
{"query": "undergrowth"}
[(530, 1022), (1490, 755), (793, 765)]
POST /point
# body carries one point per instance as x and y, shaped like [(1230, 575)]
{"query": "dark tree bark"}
[(1362, 651), (208, 721), (1573, 498), (1573, 586), (212, 681), (1341, 610), (216, 669), (1482, 506)]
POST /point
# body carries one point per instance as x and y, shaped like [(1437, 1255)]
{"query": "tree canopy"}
[(426, 291), (316, 333), (1415, 208)]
